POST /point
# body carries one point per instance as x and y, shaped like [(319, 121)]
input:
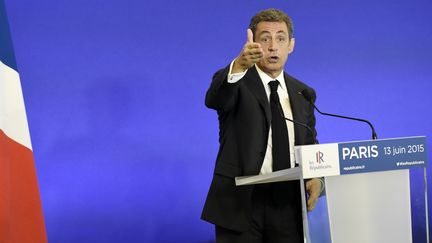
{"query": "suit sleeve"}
[(311, 123), (222, 95)]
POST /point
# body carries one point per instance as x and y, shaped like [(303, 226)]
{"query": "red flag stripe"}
[(20, 206)]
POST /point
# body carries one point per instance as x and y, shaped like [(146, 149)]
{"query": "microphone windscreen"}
[(307, 94)]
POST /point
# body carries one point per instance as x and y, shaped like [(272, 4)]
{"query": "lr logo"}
[(319, 157)]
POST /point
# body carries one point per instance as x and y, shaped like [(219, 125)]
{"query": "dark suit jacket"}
[(244, 121)]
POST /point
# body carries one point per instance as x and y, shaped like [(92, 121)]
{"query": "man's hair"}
[(272, 15)]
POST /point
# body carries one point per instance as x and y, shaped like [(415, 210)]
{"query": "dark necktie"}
[(281, 154)]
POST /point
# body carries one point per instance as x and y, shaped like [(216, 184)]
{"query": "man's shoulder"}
[(296, 82)]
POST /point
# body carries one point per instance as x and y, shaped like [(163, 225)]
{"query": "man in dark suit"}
[(251, 96)]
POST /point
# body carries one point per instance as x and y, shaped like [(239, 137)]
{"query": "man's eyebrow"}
[(264, 32), (268, 32)]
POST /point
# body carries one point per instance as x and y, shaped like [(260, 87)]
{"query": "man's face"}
[(276, 44)]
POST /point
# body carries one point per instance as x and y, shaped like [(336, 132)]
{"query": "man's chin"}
[(271, 68)]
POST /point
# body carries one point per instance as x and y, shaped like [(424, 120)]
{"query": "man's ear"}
[(291, 45)]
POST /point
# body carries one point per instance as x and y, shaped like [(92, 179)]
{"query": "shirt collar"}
[(265, 78)]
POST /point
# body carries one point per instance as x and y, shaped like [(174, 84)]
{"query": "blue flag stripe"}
[(6, 48)]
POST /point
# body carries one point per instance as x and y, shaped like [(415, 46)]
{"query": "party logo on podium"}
[(320, 160), (319, 157)]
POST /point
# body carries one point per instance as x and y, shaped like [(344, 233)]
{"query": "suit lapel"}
[(256, 86), (295, 99)]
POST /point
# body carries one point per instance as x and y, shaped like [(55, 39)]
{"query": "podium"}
[(367, 188)]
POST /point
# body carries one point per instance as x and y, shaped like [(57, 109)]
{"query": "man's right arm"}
[(221, 95)]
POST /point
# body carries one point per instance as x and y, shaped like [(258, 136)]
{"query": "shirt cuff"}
[(234, 77)]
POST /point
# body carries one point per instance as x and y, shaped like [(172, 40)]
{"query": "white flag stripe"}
[(13, 119)]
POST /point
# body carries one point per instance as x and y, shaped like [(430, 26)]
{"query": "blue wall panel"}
[(123, 143)]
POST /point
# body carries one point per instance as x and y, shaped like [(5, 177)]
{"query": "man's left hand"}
[(313, 187)]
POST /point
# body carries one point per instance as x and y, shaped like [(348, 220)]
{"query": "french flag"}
[(21, 217)]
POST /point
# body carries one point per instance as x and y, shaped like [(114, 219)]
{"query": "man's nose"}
[(273, 45)]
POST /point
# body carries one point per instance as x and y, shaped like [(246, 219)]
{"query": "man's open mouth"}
[(273, 59)]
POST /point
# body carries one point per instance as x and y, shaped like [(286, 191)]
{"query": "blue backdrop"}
[(123, 143)]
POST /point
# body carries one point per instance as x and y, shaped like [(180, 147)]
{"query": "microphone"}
[(297, 123), (307, 94)]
